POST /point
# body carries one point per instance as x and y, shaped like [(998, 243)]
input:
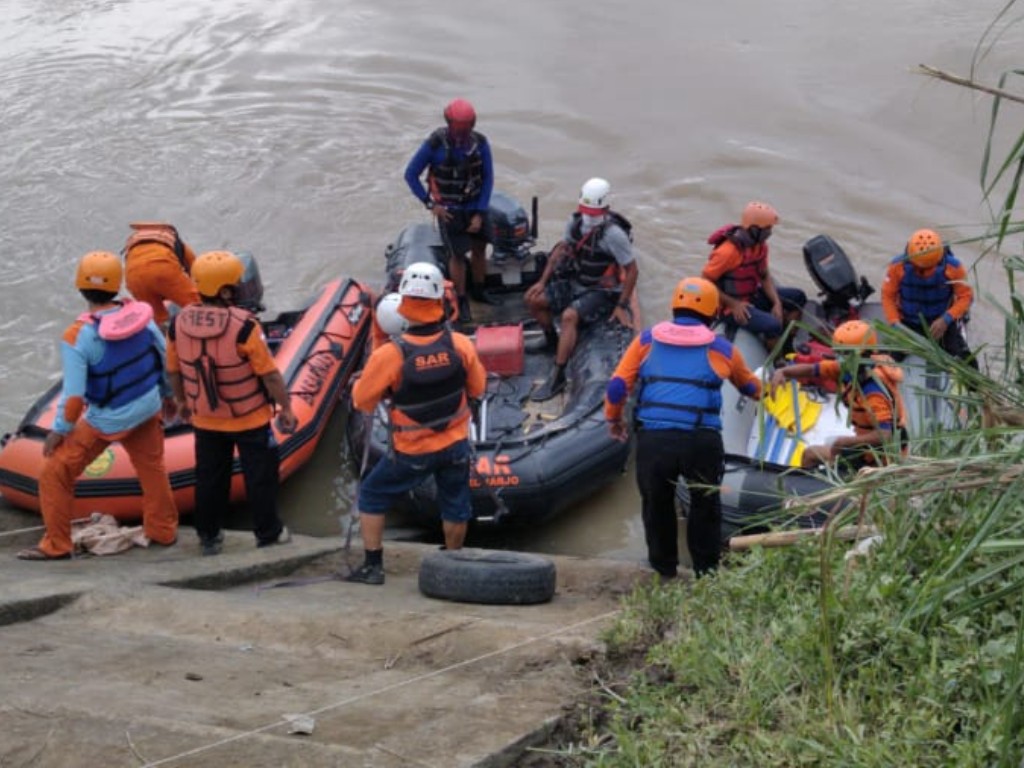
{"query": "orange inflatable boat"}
[(317, 349)]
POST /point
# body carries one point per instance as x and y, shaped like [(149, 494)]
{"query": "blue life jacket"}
[(924, 296), (129, 368), (679, 388)]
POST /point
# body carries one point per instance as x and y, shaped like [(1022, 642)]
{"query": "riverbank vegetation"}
[(908, 650)]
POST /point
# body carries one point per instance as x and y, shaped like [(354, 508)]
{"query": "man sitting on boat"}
[(430, 373), (113, 390), (590, 276), (680, 366), (738, 265), (926, 290), (157, 267), (872, 396)]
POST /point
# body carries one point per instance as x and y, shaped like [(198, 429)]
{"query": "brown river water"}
[(283, 128)]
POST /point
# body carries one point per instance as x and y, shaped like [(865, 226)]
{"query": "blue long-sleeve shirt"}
[(426, 156), (87, 349)]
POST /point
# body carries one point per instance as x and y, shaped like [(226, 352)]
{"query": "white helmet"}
[(594, 196), (422, 280), (387, 316)]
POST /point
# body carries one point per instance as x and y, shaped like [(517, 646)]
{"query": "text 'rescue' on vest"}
[(217, 380), (459, 178), (131, 364), (591, 264), (678, 387), (432, 389), (743, 281)]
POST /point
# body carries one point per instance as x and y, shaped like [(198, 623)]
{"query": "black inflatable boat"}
[(532, 459)]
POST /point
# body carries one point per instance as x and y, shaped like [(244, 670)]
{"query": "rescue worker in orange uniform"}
[(157, 266), (738, 265), (872, 396), (430, 374), (113, 389), (926, 290), (225, 379), (680, 366)]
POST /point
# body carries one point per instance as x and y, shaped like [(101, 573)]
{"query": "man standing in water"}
[(431, 374), (460, 177)]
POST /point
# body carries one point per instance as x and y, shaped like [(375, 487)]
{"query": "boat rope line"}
[(385, 689), (20, 531)]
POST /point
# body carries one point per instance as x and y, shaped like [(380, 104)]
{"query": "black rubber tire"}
[(491, 577)]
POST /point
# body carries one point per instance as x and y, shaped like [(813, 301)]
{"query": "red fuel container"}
[(500, 348)]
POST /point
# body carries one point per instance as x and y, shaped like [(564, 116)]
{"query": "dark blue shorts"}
[(454, 234), (393, 477), (591, 304)]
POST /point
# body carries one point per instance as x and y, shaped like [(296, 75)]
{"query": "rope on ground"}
[(385, 689), (20, 531)]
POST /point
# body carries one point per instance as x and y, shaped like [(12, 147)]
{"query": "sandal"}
[(35, 553)]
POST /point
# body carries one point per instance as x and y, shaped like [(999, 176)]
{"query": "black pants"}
[(257, 451), (662, 457), (952, 340)]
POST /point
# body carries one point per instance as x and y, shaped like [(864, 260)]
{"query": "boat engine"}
[(250, 288), (843, 291), (508, 228)]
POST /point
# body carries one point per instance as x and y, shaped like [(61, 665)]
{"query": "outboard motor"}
[(508, 228), (250, 288), (417, 242), (835, 276)]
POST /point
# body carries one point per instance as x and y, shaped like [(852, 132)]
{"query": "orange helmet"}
[(215, 270), (99, 271), (759, 215), (697, 295), (854, 333), (924, 249)]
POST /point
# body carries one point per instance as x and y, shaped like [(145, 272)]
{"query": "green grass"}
[(912, 655)]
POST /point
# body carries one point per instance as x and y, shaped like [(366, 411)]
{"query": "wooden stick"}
[(967, 83), (786, 538)]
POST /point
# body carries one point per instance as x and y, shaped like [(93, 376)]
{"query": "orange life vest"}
[(218, 381), (887, 378), (156, 232)]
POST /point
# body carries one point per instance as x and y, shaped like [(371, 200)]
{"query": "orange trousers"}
[(154, 278), (145, 447)]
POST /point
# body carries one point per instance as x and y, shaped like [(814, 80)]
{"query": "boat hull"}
[(316, 348)]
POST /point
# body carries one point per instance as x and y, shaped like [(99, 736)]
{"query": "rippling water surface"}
[(283, 128)]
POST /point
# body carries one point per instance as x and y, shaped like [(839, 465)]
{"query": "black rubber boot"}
[(555, 383), (465, 315)]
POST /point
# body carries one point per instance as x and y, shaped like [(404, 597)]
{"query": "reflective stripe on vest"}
[(129, 368), (459, 177), (218, 381), (592, 263), (927, 296), (432, 391), (678, 387), (742, 283)]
